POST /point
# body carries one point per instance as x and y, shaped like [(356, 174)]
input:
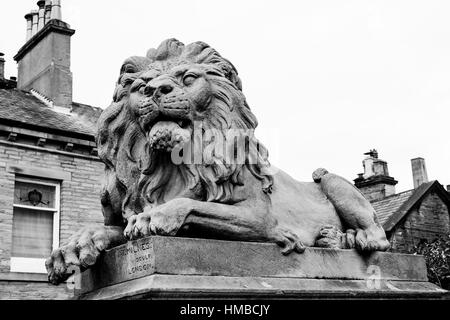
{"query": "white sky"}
[(328, 80)]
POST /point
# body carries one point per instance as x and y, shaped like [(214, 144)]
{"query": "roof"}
[(87, 114), (21, 108), (388, 206), (392, 209)]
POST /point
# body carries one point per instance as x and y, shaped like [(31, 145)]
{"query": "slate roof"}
[(23, 109), (389, 205), (392, 209)]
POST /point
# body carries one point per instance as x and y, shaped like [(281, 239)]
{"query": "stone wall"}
[(377, 191), (80, 205), (427, 222)]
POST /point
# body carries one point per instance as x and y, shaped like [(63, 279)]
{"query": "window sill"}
[(26, 277), (28, 265)]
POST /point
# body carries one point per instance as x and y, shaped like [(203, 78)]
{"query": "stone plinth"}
[(166, 267)]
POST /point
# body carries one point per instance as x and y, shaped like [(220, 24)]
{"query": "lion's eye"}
[(128, 68), (189, 79), (142, 89), (137, 85)]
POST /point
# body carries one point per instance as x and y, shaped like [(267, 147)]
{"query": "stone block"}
[(161, 267)]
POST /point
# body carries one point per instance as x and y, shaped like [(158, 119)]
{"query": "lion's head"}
[(158, 102)]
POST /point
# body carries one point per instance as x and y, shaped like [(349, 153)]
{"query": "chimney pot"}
[(373, 166), (35, 18), (373, 153), (419, 172), (48, 10), (41, 14), (29, 18), (56, 10), (2, 66)]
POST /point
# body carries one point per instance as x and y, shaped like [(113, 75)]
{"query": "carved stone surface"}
[(166, 266), (160, 286), (182, 160)]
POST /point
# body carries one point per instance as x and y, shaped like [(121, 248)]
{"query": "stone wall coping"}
[(39, 172), (65, 153)]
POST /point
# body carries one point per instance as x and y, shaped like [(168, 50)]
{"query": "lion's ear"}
[(151, 54), (234, 78), (134, 64)]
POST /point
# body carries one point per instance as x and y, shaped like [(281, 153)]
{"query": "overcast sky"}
[(327, 80)]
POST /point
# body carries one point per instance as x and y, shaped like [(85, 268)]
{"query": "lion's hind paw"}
[(333, 238), (371, 239)]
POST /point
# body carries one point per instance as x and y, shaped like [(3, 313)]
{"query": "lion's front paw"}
[(128, 231), (82, 250), (164, 220), (288, 240), (138, 226)]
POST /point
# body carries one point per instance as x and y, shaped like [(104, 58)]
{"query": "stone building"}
[(409, 217), (49, 169)]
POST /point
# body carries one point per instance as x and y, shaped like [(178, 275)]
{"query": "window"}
[(35, 224)]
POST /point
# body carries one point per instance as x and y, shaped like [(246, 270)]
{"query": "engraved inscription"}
[(139, 257)]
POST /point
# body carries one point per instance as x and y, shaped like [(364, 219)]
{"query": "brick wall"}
[(427, 222), (80, 205), (33, 290)]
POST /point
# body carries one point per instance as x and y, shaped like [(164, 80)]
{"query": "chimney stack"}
[(35, 21), (48, 10), (375, 183), (44, 60), (2, 66), (56, 10), (41, 14), (419, 172), (5, 83)]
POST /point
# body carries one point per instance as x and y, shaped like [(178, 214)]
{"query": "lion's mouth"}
[(165, 135), (167, 123), (150, 112)]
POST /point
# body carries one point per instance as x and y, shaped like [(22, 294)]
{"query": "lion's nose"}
[(158, 91), (164, 89)]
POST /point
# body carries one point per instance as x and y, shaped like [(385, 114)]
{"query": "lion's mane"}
[(140, 176)]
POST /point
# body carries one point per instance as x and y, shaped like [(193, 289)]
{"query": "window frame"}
[(37, 265)]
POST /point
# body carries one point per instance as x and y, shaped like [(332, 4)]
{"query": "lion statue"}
[(172, 168)]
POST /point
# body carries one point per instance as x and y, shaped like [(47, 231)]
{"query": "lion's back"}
[(301, 206)]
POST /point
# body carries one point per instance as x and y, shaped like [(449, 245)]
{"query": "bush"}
[(437, 257)]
